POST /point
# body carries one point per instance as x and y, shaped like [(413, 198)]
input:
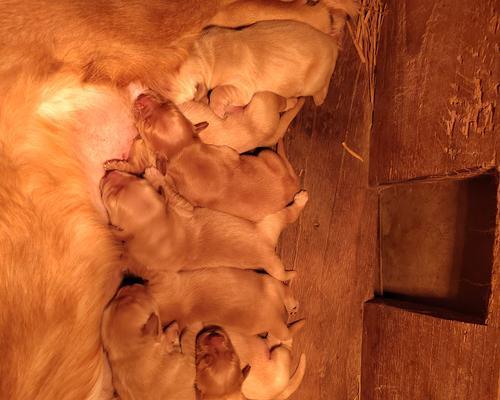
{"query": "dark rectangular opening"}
[(436, 243)]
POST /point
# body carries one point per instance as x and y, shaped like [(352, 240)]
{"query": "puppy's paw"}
[(292, 305), (172, 333), (112, 165), (154, 177), (289, 275), (301, 198)]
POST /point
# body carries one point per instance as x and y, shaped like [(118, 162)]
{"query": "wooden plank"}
[(436, 89), (333, 246), (408, 355)]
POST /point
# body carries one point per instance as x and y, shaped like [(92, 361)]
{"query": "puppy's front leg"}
[(139, 158), (164, 184), (224, 97)]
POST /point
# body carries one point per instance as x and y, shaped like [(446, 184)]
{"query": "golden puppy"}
[(244, 301), (270, 362), (259, 124), (215, 177), (288, 58), (218, 372), (146, 360), (230, 365), (182, 237)]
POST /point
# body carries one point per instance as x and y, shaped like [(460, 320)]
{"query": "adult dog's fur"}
[(183, 237), (59, 262)]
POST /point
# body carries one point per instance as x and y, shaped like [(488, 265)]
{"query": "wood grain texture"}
[(333, 246), (436, 89), (407, 355)]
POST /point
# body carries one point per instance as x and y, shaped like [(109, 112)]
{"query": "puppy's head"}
[(218, 370), (162, 125), (131, 321), (130, 202)]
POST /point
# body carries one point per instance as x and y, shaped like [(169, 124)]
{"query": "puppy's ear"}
[(201, 91), (199, 127), (245, 371), (152, 326)]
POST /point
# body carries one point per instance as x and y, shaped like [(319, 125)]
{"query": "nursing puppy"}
[(288, 58), (180, 236), (211, 176), (241, 300), (215, 177), (259, 124), (146, 360)]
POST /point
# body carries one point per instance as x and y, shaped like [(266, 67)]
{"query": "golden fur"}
[(288, 58), (245, 301), (58, 259), (218, 372), (232, 365), (270, 362), (59, 262), (259, 124), (182, 237), (216, 177)]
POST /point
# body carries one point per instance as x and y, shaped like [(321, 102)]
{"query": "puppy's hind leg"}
[(320, 96), (274, 267), (272, 225)]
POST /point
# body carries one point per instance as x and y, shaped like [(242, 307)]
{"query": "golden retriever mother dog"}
[(59, 265)]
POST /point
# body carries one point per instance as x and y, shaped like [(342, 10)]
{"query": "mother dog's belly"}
[(98, 123)]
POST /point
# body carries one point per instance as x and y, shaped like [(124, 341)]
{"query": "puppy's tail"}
[(295, 379)]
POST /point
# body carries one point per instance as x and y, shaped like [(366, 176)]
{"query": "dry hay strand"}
[(365, 34)]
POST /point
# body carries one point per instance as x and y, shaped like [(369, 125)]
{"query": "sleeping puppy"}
[(178, 236), (234, 366), (270, 362), (259, 124), (241, 300), (215, 177), (146, 360), (288, 58), (218, 372)]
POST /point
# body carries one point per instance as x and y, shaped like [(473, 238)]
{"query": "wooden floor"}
[(435, 115), (333, 244)]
